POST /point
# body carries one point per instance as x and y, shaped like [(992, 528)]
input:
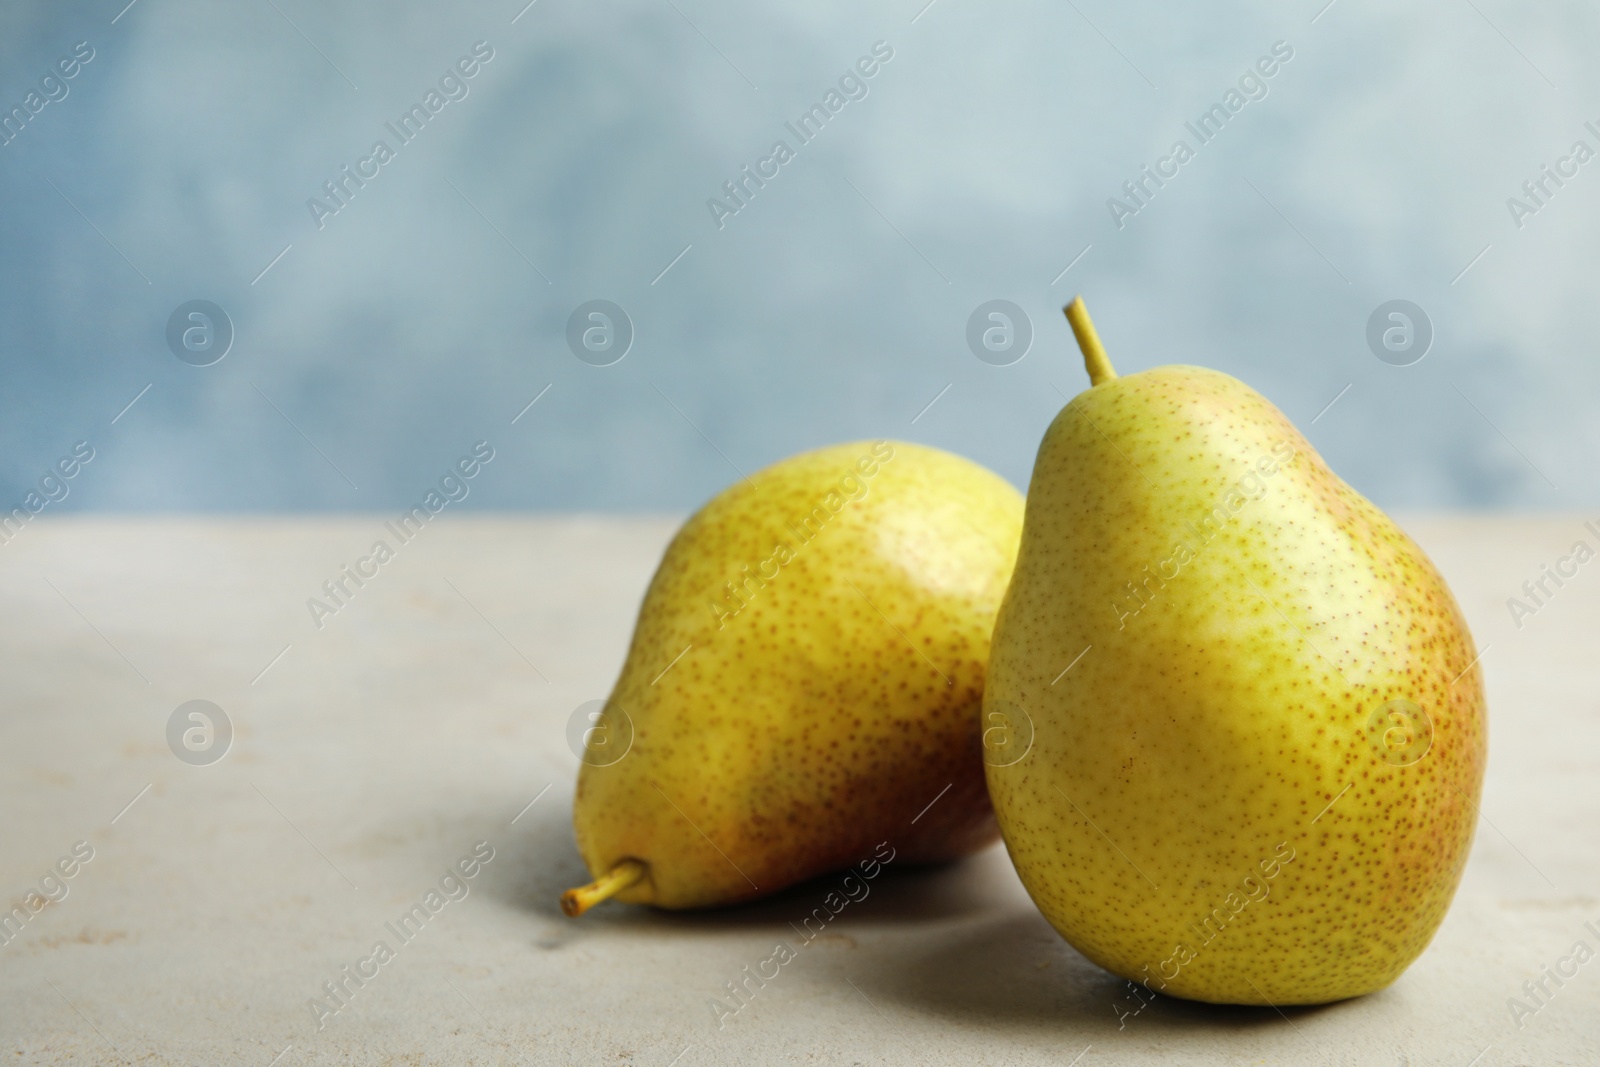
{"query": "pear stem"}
[(626, 873), (1094, 353)]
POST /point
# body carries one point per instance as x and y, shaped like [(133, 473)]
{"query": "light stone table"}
[(370, 756)]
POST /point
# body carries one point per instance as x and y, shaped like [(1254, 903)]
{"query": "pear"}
[(804, 682), (1236, 717)]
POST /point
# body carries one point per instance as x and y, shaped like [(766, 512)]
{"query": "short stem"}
[(1094, 353), (577, 901)]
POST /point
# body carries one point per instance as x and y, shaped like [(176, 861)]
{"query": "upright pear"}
[(1235, 717), (804, 682)]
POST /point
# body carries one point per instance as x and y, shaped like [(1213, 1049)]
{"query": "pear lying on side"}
[(1259, 783), (804, 682)]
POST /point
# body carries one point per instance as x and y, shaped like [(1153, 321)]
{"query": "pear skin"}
[(1259, 783), (804, 682)]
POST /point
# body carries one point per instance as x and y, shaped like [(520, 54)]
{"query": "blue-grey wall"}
[(974, 164)]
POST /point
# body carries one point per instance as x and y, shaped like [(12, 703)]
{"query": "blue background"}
[(427, 313)]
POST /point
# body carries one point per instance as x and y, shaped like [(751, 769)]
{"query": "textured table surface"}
[(370, 755)]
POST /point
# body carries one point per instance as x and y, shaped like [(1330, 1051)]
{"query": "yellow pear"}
[(1235, 722), (804, 682)]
